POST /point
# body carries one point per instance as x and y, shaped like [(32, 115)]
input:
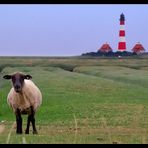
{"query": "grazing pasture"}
[(85, 100)]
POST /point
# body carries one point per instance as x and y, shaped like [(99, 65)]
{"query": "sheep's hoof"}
[(35, 132), (27, 132), (19, 133)]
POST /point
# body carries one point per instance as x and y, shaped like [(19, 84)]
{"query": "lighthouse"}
[(122, 42)]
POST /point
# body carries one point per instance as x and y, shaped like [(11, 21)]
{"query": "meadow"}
[(85, 100)]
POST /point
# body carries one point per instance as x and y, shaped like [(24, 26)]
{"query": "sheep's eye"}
[(21, 79), (13, 79)]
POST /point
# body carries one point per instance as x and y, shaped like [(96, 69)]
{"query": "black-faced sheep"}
[(24, 98)]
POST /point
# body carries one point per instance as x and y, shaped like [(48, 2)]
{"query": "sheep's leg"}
[(28, 124), (33, 121), (33, 125), (19, 122)]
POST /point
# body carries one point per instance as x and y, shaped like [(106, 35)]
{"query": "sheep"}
[(24, 98)]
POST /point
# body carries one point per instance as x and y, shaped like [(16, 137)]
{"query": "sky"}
[(69, 29)]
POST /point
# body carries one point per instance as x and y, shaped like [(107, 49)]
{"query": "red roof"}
[(138, 48), (105, 48)]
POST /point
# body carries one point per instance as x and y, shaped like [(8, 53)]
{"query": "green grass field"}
[(84, 100)]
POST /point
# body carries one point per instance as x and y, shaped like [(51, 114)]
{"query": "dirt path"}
[(2, 128)]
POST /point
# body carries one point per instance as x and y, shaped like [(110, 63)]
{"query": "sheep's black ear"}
[(28, 77), (7, 77)]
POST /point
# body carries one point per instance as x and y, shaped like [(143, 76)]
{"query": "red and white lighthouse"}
[(122, 42)]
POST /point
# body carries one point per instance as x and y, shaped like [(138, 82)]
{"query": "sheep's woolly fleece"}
[(30, 96)]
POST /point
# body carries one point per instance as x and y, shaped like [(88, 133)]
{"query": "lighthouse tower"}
[(122, 43)]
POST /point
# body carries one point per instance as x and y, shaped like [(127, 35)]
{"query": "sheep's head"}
[(17, 80)]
